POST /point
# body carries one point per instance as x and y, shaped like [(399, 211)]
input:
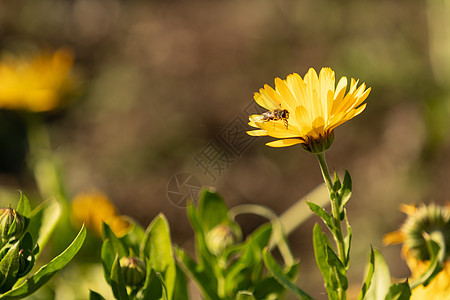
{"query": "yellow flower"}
[(424, 219), (93, 208), (313, 107), (36, 84)]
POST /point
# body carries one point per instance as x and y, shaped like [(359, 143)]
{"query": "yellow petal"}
[(257, 132), (284, 143), (396, 237)]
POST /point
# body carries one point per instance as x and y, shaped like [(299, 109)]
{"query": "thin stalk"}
[(337, 234)]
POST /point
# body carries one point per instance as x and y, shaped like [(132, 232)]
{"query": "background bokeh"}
[(162, 79)]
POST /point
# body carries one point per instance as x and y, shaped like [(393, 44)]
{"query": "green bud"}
[(12, 224), (133, 270), (219, 238)]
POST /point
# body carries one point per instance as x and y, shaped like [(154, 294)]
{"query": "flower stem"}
[(337, 233)]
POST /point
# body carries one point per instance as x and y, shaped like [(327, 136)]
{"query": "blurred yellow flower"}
[(306, 111), (36, 83), (424, 219), (93, 208)]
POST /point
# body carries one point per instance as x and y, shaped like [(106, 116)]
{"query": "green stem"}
[(337, 234), (42, 160)]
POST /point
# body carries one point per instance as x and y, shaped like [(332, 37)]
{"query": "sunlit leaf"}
[(399, 291), (117, 281), (369, 273), (46, 272), (381, 278), (321, 254)]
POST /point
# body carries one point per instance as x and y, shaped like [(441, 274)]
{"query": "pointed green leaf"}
[(381, 278), (95, 296), (163, 284), (347, 240), (157, 248), (117, 246), (399, 291), (9, 267), (369, 273), (206, 282), (108, 255), (181, 286), (211, 210), (249, 262), (321, 254), (345, 191), (279, 275), (117, 282), (24, 207), (339, 274), (152, 288), (326, 218), (46, 272), (337, 182)]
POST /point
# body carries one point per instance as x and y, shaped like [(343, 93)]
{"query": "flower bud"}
[(12, 224), (219, 238), (133, 270)]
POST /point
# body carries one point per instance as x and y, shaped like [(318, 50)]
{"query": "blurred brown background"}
[(162, 79)]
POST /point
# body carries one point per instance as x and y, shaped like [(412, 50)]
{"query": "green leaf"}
[(181, 286), (9, 267), (44, 220), (339, 274), (95, 296), (24, 207), (279, 275), (152, 288), (108, 255), (321, 254), (381, 278), (163, 284), (399, 291), (245, 295), (345, 191), (117, 246), (211, 210), (205, 281), (46, 272), (369, 273), (249, 263), (347, 240), (157, 248), (337, 182), (117, 282), (326, 218)]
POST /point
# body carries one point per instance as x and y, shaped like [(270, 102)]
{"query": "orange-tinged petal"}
[(396, 237)]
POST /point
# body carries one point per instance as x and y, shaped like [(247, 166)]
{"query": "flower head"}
[(424, 220), (93, 208), (36, 84), (306, 111)]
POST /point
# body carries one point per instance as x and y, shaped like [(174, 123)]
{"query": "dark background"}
[(162, 79)]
